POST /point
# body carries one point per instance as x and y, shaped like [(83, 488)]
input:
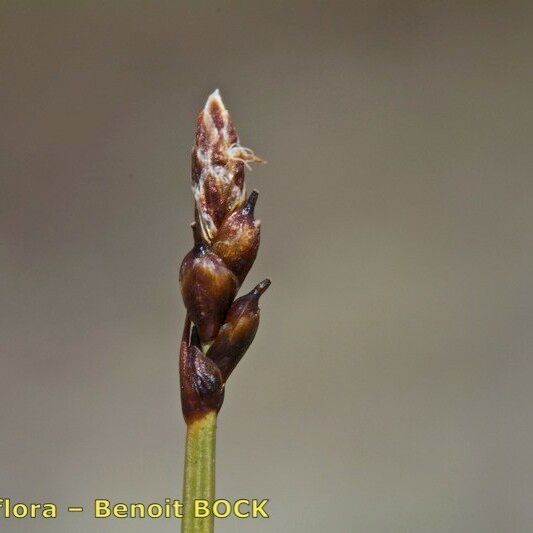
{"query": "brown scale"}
[(238, 331), (207, 286), (237, 239), (201, 384)]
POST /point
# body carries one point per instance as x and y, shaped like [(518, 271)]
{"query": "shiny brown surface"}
[(201, 383), (238, 331), (208, 288), (237, 240)]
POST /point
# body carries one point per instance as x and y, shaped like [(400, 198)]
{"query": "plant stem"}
[(199, 476)]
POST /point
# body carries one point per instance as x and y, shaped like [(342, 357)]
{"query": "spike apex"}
[(218, 162)]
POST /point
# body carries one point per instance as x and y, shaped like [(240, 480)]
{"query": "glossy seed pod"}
[(237, 239), (201, 383), (238, 331), (208, 288)]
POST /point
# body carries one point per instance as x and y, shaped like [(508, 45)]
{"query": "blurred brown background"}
[(390, 385)]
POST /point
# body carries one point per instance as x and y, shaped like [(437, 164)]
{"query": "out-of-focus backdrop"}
[(390, 386)]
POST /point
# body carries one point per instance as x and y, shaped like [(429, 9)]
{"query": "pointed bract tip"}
[(260, 288), (197, 234), (250, 203), (214, 100), (215, 94)]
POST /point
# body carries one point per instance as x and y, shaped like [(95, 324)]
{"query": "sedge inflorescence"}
[(218, 328)]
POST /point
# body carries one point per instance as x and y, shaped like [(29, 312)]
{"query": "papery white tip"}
[(214, 97)]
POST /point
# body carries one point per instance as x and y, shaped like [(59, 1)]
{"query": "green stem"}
[(199, 476)]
